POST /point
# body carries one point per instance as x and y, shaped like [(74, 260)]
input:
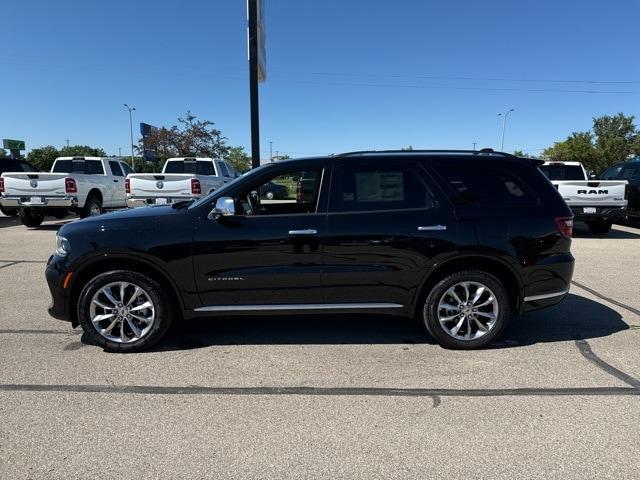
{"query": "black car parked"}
[(14, 165), (630, 171), (462, 240), (273, 191)]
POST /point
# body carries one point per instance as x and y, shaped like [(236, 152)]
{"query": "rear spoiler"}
[(535, 162)]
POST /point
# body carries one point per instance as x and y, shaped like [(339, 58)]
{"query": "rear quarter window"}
[(489, 185)]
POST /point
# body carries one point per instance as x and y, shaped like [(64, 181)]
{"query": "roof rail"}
[(484, 151)]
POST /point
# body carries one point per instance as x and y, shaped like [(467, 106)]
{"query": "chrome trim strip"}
[(432, 227), (304, 306), (308, 231), (533, 298)]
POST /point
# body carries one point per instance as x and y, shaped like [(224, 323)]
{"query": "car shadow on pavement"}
[(613, 234), (9, 221), (575, 318)]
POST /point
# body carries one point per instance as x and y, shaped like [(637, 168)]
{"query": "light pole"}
[(474, 146), (131, 109), (504, 125), (271, 151), (67, 143)]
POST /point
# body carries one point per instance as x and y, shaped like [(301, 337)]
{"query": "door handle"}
[(432, 228), (308, 231), (116, 181)]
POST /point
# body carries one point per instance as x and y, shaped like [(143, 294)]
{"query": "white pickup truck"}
[(595, 202), (82, 185), (183, 178)]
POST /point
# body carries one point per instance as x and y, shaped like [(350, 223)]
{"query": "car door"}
[(269, 253), (117, 184), (223, 172), (386, 226)]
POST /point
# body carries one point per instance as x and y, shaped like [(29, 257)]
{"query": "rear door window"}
[(630, 172), (486, 185), (127, 169), (384, 186), (115, 168), (223, 169)]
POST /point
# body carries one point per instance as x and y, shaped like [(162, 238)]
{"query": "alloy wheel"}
[(122, 312)]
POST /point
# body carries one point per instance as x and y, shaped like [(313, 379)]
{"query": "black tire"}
[(269, 195), (9, 212), (92, 207), (157, 295), (601, 227), (60, 215), (29, 218), (436, 328)]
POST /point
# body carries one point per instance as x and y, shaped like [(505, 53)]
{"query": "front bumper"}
[(55, 273), (38, 201), (135, 202)]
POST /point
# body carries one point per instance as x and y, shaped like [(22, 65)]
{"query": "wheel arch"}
[(97, 193), (486, 263), (120, 262)]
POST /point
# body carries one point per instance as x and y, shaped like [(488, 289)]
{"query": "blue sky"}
[(342, 74)]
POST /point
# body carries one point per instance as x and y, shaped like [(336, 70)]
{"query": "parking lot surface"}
[(325, 396)]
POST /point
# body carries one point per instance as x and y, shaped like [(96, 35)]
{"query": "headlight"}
[(63, 248)]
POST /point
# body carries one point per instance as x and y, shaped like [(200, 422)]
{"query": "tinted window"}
[(379, 187), (127, 169), (9, 165), (223, 169), (486, 185), (562, 172), (190, 166), (115, 168), (611, 172), (629, 172), (89, 167)]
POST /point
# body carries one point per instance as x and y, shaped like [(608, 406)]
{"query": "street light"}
[(131, 109), (504, 125)]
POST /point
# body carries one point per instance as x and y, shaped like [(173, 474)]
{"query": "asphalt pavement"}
[(325, 396)]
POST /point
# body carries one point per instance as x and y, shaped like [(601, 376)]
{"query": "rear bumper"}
[(547, 282), (134, 202), (601, 213), (38, 201)]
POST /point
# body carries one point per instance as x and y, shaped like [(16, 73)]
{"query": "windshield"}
[(562, 172), (222, 190)]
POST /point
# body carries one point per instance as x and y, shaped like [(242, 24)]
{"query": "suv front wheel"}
[(124, 311), (466, 310)]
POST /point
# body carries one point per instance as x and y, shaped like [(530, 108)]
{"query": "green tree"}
[(81, 151), (520, 153), (3, 153), (190, 138), (578, 147), (616, 138), (43, 157), (238, 159)]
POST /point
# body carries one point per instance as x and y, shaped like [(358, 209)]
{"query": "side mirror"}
[(593, 176), (225, 207)]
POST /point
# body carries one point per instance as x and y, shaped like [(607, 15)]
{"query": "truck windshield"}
[(562, 172), (198, 167)]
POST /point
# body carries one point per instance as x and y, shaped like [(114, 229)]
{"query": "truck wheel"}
[(29, 218), (124, 311), (600, 227), (8, 212), (92, 207), (466, 310)]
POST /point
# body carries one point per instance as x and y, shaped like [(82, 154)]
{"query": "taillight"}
[(195, 187), (127, 185), (70, 185), (1, 185), (565, 226)]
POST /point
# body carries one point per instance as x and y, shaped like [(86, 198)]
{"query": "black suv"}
[(460, 239)]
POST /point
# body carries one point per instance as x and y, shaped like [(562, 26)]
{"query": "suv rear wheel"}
[(466, 310), (124, 311)]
